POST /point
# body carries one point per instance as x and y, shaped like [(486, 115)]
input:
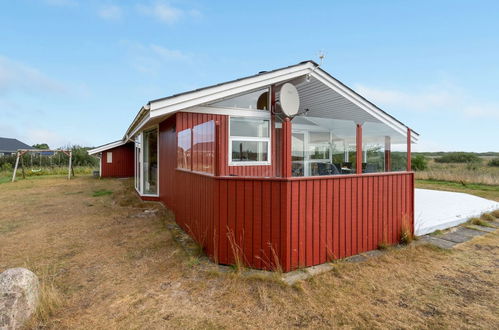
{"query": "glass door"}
[(298, 154), (150, 162)]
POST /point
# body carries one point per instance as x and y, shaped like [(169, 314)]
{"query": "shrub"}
[(419, 163), (459, 157), (494, 162)]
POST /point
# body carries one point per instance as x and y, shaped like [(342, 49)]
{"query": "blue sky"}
[(74, 71)]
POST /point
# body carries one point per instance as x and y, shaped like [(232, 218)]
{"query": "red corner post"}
[(286, 148), (409, 167), (358, 152)]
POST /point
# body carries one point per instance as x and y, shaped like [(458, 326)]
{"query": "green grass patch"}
[(479, 222), (436, 233), (478, 189), (101, 192)]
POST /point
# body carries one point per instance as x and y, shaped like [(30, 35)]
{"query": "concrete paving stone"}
[(373, 253), (319, 269), (295, 276), (469, 232), (441, 243), (482, 228), (455, 237), (356, 258)]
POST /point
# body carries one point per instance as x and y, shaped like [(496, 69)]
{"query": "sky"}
[(78, 71)]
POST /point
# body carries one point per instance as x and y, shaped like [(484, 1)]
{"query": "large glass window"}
[(184, 149), (150, 162), (249, 141), (258, 100)]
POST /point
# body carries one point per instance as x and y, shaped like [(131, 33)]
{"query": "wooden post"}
[(218, 150), (15, 167), (286, 148), (70, 164), (22, 165), (388, 154), (358, 156), (409, 167)]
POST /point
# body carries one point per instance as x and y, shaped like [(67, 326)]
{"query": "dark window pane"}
[(249, 151)]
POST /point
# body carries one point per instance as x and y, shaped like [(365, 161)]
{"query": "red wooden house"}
[(249, 179)]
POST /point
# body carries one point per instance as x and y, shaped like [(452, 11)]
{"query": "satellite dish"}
[(289, 99)]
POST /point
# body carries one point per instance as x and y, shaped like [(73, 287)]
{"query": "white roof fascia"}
[(106, 147), (162, 107), (358, 101), (138, 118), (140, 125)]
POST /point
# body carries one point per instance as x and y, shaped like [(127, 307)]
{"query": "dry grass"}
[(110, 265), (463, 173)]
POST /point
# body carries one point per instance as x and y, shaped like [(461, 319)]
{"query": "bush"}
[(459, 157), (494, 162), (419, 163)]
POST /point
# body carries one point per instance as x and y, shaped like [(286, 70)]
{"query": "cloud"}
[(168, 54), (110, 12), (152, 58), (18, 77), (166, 13), (436, 98)]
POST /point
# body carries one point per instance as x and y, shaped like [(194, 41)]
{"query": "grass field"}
[(106, 264), (462, 173)]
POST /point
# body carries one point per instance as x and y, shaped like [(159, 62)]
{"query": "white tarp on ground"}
[(444, 209)]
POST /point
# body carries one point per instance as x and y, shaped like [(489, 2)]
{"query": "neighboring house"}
[(286, 168), (10, 146)]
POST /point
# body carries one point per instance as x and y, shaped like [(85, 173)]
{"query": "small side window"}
[(109, 157)]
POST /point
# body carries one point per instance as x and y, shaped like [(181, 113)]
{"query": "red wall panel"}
[(279, 222), (189, 120), (122, 162)]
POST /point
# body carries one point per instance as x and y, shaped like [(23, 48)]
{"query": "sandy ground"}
[(112, 266)]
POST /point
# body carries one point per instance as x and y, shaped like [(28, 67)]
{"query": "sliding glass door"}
[(150, 162), (146, 162)]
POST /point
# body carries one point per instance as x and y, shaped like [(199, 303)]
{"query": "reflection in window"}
[(150, 155), (258, 100), (250, 151), (249, 140), (249, 127), (184, 149)]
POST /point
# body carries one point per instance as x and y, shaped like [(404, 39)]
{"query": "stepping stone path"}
[(459, 235)]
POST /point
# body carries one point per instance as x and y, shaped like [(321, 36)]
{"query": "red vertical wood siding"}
[(123, 162), (299, 222), (286, 223), (189, 120)]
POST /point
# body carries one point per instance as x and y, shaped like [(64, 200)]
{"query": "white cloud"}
[(436, 98), (110, 12), (16, 76), (152, 58), (168, 54), (166, 13)]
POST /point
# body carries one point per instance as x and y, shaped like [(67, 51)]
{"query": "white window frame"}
[(109, 157), (139, 150), (250, 138)]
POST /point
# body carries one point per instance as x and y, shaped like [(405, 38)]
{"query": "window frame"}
[(109, 157), (251, 139)]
